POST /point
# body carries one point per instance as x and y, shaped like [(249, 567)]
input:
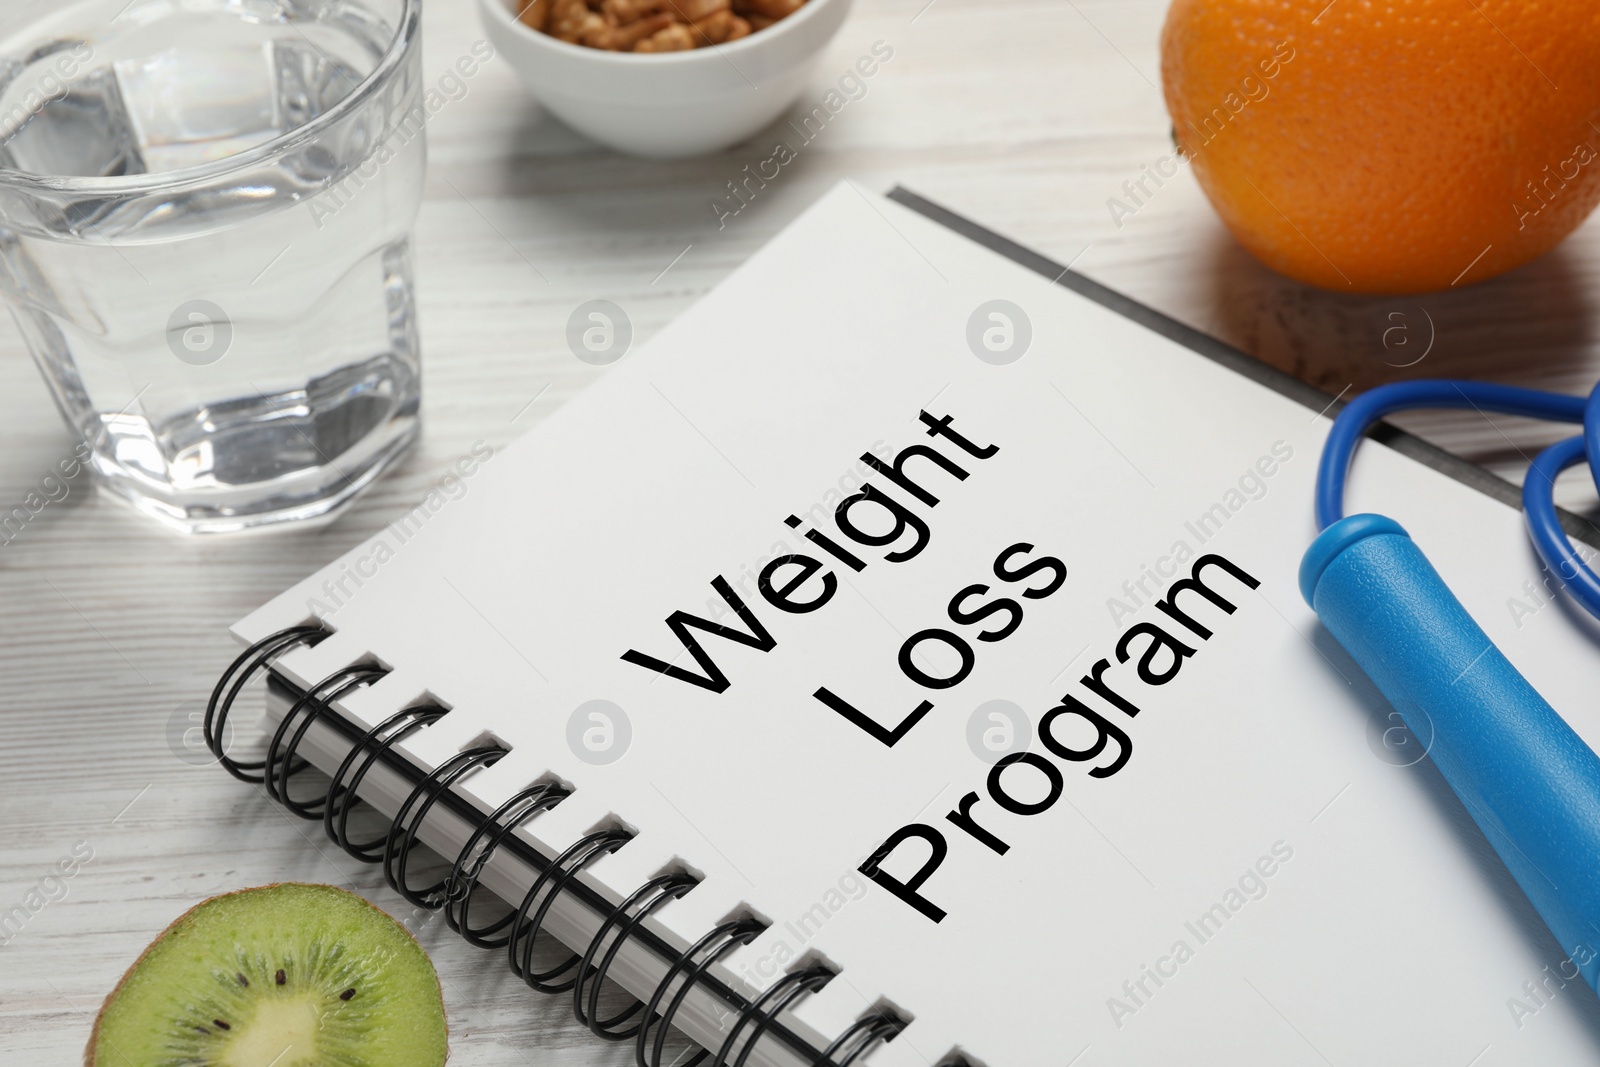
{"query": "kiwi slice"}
[(287, 975)]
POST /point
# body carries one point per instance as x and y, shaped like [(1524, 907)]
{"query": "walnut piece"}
[(772, 9), (674, 38), (535, 13), (721, 27)]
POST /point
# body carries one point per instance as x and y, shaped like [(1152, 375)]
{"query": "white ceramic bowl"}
[(674, 103)]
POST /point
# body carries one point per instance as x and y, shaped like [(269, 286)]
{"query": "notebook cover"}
[(1261, 879)]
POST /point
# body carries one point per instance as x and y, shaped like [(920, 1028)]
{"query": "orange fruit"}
[(1389, 146)]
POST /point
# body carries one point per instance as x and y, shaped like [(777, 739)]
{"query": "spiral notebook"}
[(898, 661)]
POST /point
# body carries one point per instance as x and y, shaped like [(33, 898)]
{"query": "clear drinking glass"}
[(205, 216)]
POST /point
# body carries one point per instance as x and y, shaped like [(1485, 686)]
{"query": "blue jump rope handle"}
[(1528, 780)]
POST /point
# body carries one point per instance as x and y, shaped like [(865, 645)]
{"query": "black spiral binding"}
[(646, 1022), (342, 797), (709, 949), (402, 838), (464, 875), (860, 1037), (525, 931), (767, 1006), (249, 663), (281, 763), (648, 897)]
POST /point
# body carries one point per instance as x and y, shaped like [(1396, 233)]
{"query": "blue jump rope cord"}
[(1538, 488)]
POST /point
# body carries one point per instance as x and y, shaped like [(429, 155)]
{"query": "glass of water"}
[(205, 217)]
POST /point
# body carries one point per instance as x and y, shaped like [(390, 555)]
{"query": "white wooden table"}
[(1026, 115)]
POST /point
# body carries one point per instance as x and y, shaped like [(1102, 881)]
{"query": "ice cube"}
[(83, 131), (191, 106), (310, 81)]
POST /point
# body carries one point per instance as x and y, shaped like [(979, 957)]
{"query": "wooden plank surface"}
[(1026, 115)]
